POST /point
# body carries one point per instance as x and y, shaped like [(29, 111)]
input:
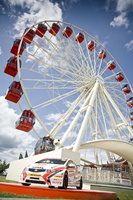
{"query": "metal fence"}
[(95, 175)]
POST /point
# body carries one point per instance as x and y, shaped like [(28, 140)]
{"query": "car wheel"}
[(81, 184), (26, 184), (51, 186), (65, 181)]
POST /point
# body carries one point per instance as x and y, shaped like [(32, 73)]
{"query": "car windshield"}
[(53, 161)]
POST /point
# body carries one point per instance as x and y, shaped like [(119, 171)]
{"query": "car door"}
[(72, 172)]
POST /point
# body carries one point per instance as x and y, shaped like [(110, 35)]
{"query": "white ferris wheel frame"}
[(88, 104)]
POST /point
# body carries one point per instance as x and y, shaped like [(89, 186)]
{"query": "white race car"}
[(53, 172)]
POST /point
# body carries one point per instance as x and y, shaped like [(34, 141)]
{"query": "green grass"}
[(3, 179), (11, 195), (121, 196), (125, 196)]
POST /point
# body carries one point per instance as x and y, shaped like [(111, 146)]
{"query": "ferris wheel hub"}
[(100, 79)]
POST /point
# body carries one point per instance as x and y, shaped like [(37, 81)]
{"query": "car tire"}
[(26, 184), (65, 181), (51, 186), (81, 184)]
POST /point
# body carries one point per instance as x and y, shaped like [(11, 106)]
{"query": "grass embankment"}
[(121, 196), (11, 195)]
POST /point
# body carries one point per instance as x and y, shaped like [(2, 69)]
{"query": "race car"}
[(53, 172)]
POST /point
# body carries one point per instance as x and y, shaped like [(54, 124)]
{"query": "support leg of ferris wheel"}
[(55, 130), (84, 123), (111, 116), (75, 119), (93, 137), (118, 111), (101, 135)]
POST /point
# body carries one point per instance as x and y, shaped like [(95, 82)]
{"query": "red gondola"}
[(67, 32), (111, 65), (14, 49), (91, 45), (119, 76), (80, 37), (131, 116), (41, 30), (29, 35), (126, 89), (102, 54), (11, 67), (130, 102), (14, 92), (26, 121), (54, 29)]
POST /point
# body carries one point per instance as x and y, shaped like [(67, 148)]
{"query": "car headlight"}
[(49, 170), (25, 169)]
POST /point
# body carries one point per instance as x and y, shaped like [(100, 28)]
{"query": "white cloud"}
[(123, 5), (129, 45), (120, 20), (12, 141), (68, 104), (123, 8), (0, 51), (36, 11), (54, 117), (2, 10)]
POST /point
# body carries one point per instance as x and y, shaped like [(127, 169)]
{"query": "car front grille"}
[(36, 170)]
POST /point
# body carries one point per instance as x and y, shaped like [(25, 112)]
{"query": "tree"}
[(20, 156), (3, 165), (26, 154)]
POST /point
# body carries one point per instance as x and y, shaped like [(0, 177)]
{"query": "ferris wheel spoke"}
[(89, 66), (72, 50), (64, 118), (118, 111), (98, 129), (62, 83), (66, 53), (62, 53), (103, 118), (123, 108), (111, 116), (83, 57), (77, 57), (76, 118), (58, 98), (104, 70), (63, 71)]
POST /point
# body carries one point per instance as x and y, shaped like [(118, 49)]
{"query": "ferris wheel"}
[(65, 72)]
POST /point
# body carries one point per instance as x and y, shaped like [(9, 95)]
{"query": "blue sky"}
[(109, 21)]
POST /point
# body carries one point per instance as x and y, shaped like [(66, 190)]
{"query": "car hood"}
[(44, 166)]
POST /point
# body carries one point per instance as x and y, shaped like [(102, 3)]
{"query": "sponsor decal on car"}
[(34, 175), (56, 176)]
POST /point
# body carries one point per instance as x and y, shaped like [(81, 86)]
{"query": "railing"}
[(94, 175)]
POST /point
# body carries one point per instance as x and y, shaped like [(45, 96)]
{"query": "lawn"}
[(3, 179), (125, 196)]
